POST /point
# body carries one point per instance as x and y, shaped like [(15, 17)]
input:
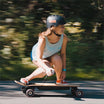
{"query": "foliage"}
[(22, 20)]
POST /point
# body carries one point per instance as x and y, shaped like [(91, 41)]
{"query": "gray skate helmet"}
[(55, 20)]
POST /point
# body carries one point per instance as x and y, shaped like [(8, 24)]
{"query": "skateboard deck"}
[(46, 84), (29, 89)]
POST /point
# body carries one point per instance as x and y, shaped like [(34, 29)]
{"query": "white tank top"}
[(49, 50)]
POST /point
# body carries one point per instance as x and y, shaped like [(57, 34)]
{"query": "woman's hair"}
[(46, 33)]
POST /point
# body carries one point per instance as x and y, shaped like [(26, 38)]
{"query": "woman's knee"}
[(56, 59)]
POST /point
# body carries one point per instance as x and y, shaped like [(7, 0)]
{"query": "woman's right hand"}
[(50, 71)]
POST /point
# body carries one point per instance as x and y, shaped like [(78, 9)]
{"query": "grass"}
[(14, 70), (80, 75)]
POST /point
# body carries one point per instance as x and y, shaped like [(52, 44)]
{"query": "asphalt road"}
[(10, 93)]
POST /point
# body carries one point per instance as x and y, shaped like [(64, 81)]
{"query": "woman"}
[(45, 52)]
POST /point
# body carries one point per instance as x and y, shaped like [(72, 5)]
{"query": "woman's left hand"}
[(63, 75)]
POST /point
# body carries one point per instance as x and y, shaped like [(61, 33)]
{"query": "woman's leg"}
[(57, 64), (39, 72)]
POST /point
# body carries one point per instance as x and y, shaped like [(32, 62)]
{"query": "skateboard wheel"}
[(30, 92), (79, 93)]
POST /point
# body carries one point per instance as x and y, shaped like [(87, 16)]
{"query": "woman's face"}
[(59, 29)]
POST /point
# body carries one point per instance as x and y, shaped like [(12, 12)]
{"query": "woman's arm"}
[(63, 56), (40, 50), (63, 51)]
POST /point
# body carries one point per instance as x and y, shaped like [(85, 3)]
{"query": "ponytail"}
[(46, 33)]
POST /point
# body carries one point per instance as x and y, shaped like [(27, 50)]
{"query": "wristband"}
[(63, 69)]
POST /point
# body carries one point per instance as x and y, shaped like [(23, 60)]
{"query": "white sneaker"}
[(24, 81)]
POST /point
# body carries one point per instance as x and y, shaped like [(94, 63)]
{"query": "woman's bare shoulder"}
[(41, 39), (66, 37), (42, 36)]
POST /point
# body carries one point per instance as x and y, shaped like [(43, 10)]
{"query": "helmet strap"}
[(56, 34)]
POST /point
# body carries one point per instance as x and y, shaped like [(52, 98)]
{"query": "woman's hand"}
[(63, 75), (50, 71)]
